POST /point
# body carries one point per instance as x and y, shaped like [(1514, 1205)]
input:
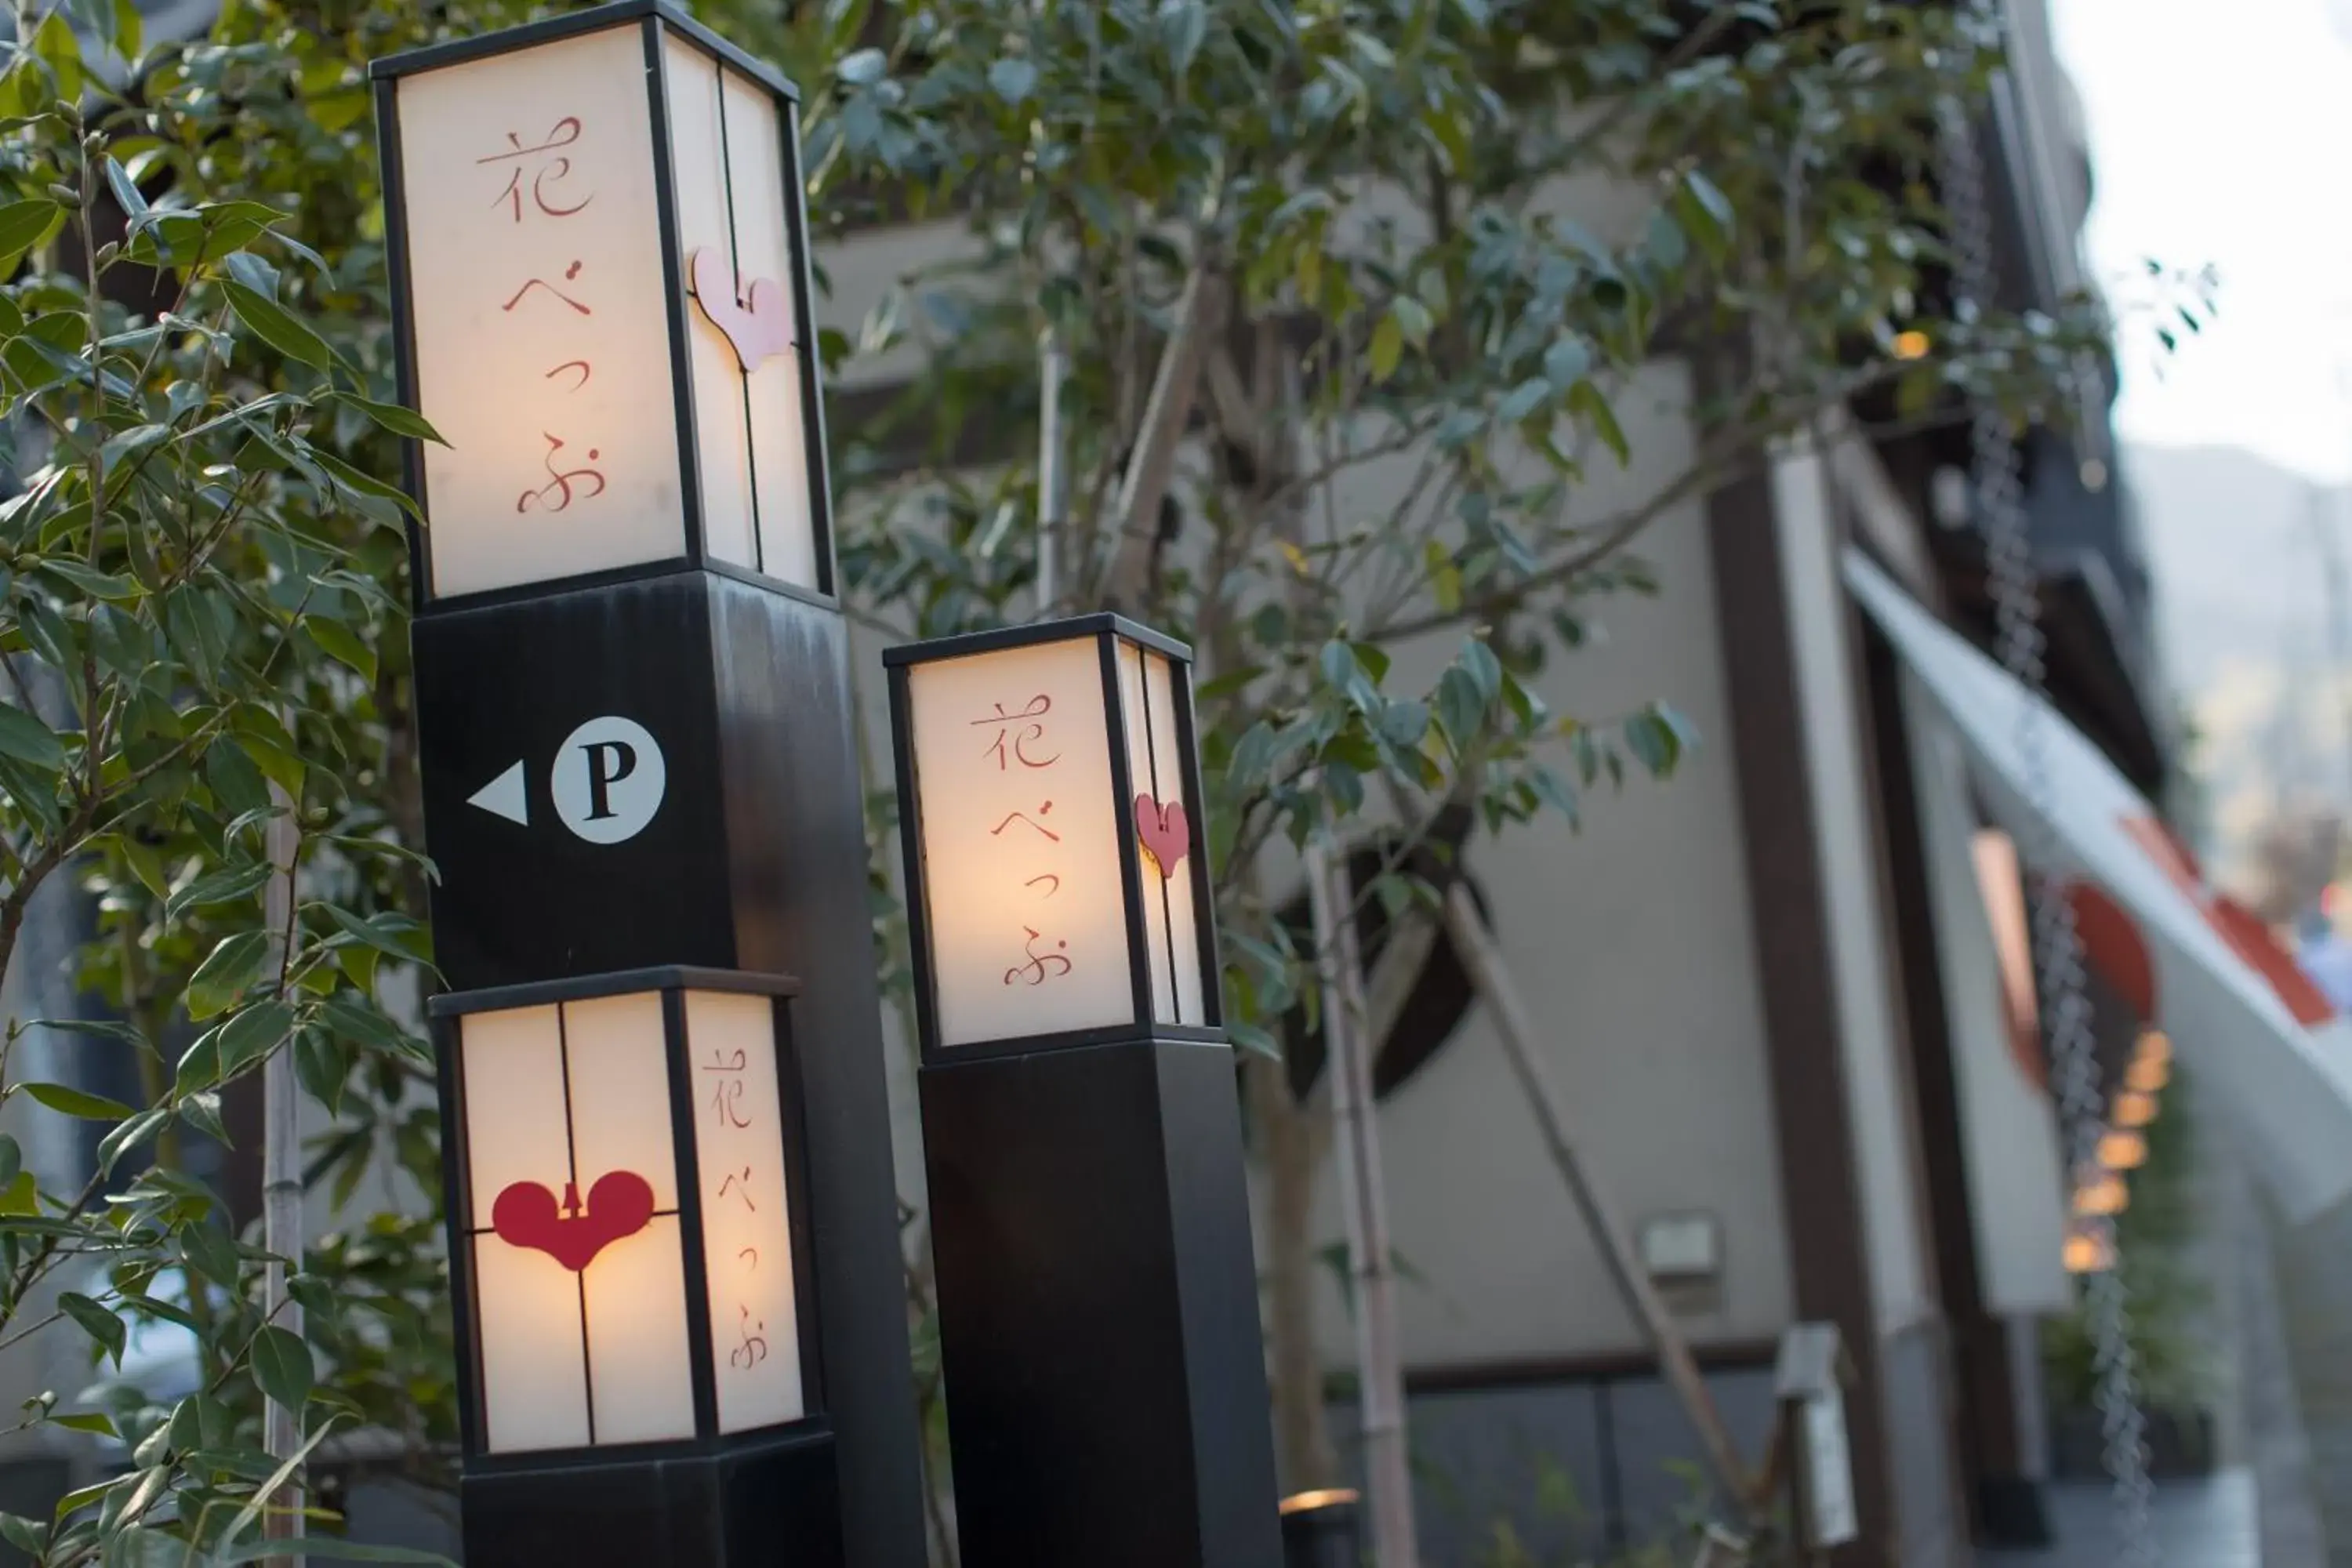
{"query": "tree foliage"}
[(1401, 273)]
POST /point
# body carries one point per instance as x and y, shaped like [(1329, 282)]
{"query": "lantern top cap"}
[(620, 982), (1067, 630), (550, 29)]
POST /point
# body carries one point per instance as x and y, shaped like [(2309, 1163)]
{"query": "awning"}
[(2265, 1049)]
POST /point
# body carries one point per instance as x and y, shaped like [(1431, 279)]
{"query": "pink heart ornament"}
[(755, 320), (1165, 831)]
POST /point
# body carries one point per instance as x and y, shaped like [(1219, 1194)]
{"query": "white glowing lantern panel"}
[(540, 313), (747, 1243), (556, 308), (1164, 825), (1022, 877), (728, 137), (575, 1243)]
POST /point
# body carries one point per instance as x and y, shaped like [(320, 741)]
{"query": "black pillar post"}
[(631, 667), (1097, 1296)]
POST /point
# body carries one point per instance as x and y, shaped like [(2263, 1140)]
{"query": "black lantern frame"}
[(1106, 631), (671, 983), (656, 19)]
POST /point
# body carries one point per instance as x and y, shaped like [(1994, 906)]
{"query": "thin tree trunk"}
[(1286, 1144), (281, 1182), (1380, 1369), (1484, 959), (1151, 466)]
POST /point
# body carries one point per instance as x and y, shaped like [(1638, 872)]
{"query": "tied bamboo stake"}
[(1348, 1061), (281, 1181), (1484, 959)]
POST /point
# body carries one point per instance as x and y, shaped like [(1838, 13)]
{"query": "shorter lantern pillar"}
[(631, 1276), (1097, 1292)]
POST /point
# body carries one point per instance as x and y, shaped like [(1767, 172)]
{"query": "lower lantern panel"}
[(599, 1356)]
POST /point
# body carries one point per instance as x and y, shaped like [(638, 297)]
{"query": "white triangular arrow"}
[(506, 795)]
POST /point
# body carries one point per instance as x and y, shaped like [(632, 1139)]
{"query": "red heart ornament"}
[(1166, 831), (620, 1205), (755, 320)]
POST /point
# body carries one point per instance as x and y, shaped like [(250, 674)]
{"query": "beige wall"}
[(1877, 1085), (1632, 945)]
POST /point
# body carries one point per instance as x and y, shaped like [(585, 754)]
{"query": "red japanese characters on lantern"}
[(1048, 788), (600, 270), (626, 1199)]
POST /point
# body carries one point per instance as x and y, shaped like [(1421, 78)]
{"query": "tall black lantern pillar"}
[(1098, 1321), (632, 680)]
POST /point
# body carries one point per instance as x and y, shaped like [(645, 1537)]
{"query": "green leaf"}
[(28, 1536), (225, 973), (1388, 347), (129, 443), (1012, 78), (58, 49), (126, 191), (77, 1102), (27, 226), (254, 1034), (342, 645), (274, 325), (1585, 399), (97, 1322), (211, 1252), (222, 887), (89, 1421), (862, 68), (1523, 400), (1568, 362), (233, 779), (365, 1026), (130, 1134), (29, 741), (281, 1365), (19, 1196), (366, 486), (390, 415)]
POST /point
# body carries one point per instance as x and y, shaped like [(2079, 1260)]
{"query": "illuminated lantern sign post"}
[(685, 1321), (1097, 1298)]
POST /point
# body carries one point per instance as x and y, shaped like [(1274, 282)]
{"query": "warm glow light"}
[(746, 1240), (1028, 914), (1911, 345), (557, 1099), (1020, 823), (574, 1222), (2089, 1252), (1329, 1497), (727, 142), (544, 294), (2154, 1046), (1148, 699), (2134, 1107), (2107, 1195), (2123, 1151), (2147, 1076)]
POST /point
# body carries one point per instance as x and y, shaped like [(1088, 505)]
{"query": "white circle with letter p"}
[(608, 779)]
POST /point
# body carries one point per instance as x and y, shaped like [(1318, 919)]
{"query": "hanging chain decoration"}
[(1997, 481)]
